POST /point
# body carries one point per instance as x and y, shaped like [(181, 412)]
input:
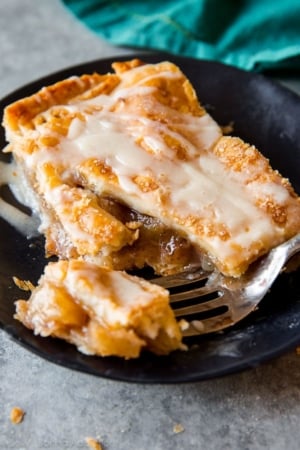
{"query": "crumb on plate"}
[(24, 285), (229, 128)]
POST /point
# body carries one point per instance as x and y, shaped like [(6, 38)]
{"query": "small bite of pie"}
[(102, 311)]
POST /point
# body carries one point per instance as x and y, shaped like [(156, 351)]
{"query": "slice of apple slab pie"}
[(128, 170)]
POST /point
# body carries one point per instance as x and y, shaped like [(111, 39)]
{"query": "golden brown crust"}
[(90, 228), (159, 94), (238, 156), (123, 66), (23, 111)]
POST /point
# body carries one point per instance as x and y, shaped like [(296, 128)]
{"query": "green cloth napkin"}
[(250, 34)]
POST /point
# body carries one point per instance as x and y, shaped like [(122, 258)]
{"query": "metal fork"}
[(224, 301)]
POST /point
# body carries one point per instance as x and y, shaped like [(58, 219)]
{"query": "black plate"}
[(264, 114)]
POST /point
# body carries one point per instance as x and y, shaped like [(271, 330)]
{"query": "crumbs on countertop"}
[(16, 415), (94, 444), (178, 428)]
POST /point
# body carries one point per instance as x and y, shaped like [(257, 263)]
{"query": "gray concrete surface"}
[(255, 410)]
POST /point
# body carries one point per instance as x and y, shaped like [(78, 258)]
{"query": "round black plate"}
[(264, 114)]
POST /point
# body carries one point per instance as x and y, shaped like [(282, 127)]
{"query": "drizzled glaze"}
[(196, 185)]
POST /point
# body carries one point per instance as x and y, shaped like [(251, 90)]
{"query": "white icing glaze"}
[(120, 294), (199, 185)]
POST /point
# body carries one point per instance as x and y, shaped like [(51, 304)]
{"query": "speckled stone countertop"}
[(258, 409)]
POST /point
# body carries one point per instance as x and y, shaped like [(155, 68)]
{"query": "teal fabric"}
[(250, 34)]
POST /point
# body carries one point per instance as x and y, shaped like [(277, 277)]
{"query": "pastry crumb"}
[(178, 428), (94, 444), (17, 415), (198, 325), (24, 285), (228, 129), (183, 325)]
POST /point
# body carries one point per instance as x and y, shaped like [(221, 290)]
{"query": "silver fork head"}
[(222, 300)]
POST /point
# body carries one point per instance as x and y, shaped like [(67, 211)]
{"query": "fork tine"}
[(200, 307), (193, 293), (181, 279), (238, 296)]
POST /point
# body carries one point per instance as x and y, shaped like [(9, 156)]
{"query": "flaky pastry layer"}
[(102, 312)]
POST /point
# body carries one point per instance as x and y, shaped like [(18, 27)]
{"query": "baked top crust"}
[(139, 136)]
